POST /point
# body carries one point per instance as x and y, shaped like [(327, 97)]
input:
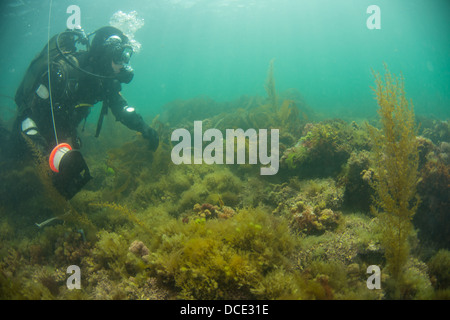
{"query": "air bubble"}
[(128, 23)]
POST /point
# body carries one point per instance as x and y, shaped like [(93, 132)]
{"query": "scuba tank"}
[(62, 44)]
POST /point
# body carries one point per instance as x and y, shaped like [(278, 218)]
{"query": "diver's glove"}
[(152, 136)]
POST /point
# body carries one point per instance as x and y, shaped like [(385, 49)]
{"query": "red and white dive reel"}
[(72, 171)]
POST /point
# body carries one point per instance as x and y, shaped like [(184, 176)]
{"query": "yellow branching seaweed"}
[(396, 169)]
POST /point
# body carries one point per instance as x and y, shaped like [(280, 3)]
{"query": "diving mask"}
[(121, 52)]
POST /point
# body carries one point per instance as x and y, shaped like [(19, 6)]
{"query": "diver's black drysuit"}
[(73, 93)]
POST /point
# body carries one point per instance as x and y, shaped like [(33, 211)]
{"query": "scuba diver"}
[(59, 88)]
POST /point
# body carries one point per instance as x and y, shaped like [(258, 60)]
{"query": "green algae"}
[(225, 259)]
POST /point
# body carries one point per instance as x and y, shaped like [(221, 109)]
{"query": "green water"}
[(222, 49)]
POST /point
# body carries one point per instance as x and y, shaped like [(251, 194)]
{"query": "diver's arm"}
[(131, 119), (126, 114)]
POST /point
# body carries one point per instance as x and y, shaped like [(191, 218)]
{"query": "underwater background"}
[(145, 228), (222, 48)]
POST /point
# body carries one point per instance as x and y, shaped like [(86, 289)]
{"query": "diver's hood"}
[(109, 44)]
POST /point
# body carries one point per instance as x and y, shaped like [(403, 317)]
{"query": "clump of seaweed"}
[(395, 172), (439, 268), (139, 248), (313, 220), (184, 186), (313, 209), (334, 263), (356, 176), (111, 253), (433, 217), (124, 211), (226, 259), (321, 193), (437, 131), (209, 211), (126, 163), (322, 150), (70, 247)]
